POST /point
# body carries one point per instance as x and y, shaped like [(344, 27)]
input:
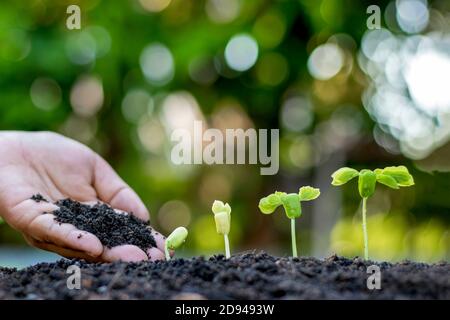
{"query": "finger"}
[(44, 228), (155, 254), (114, 191), (65, 252), (159, 239), (20, 215), (128, 253)]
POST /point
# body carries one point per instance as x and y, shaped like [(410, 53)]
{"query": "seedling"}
[(393, 177), (222, 217), (292, 206), (175, 240)]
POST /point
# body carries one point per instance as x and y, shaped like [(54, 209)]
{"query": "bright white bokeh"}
[(428, 77), (179, 111), (408, 96), (241, 52), (412, 15), (325, 61)]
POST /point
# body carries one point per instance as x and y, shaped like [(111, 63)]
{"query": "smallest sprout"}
[(175, 240), (222, 217)]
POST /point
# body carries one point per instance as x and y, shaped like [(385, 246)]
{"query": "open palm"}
[(57, 168)]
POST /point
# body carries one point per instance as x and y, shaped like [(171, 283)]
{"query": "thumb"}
[(113, 190)]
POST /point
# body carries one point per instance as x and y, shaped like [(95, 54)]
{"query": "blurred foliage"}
[(97, 86)]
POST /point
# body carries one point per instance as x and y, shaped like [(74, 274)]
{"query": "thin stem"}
[(166, 250), (364, 225), (294, 242), (227, 246)]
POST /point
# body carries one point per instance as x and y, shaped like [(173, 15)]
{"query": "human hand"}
[(57, 168)]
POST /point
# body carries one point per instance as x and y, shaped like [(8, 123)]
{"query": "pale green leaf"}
[(268, 204), (291, 204), (308, 193), (387, 181), (366, 183), (343, 175), (400, 174)]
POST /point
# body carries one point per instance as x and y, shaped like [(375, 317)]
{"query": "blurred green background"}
[(341, 95)]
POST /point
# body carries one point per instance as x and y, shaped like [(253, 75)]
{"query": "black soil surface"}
[(112, 228), (245, 276)]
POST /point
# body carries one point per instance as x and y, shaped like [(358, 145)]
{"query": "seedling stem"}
[(227, 246), (364, 225), (294, 242), (167, 253)]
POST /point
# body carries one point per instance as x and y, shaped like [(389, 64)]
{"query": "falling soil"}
[(110, 227), (244, 276)]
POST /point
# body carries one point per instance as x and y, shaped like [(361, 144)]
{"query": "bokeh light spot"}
[(45, 93), (296, 114), (154, 5), (157, 64), (135, 104), (173, 214), (16, 45), (326, 61), (272, 69), (222, 11), (412, 15), (86, 96), (241, 52), (269, 30)]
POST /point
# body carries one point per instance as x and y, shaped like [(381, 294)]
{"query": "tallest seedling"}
[(393, 177), (291, 203)]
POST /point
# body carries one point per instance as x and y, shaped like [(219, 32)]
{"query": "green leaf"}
[(400, 174), (343, 175), (291, 204), (268, 204), (308, 193), (176, 238), (366, 183), (387, 181)]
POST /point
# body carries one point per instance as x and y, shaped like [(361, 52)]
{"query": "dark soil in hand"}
[(246, 276), (112, 228)]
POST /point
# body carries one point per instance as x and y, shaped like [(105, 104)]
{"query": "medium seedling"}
[(393, 177), (291, 203), (222, 217), (175, 240)]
